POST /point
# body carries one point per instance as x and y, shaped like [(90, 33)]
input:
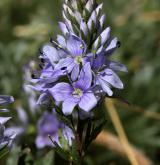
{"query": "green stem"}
[(80, 128)]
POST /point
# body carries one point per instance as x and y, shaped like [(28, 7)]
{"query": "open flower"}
[(79, 93), (50, 125), (75, 49)]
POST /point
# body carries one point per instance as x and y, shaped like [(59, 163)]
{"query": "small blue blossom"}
[(49, 125), (79, 93)]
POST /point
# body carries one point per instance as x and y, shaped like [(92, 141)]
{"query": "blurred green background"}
[(27, 24)]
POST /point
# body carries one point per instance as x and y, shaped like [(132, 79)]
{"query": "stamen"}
[(63, 68), (118, 44), (81, 46), (55, 44)]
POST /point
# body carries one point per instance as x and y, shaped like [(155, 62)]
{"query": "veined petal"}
[(105, 86), (85, 79), (63, 28), (88, 101), (84, 28), (68, 105), (102, 20), (117, 66), (105, 35), (75, 73), (66, 62), (61, 40), (112, 46), (75, 45), (61, 91), (112, 78), (99, 61), (51, 54)]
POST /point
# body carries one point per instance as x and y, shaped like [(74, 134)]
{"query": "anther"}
[(118, 44)]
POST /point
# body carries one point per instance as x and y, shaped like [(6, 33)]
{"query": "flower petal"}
[(63, 28), (68, 105), (51, 53), (75, 45), (75, 73), (85, 79), (112, 78), (117, 66), (105, 35), (61, 91), (84, 28), (66, 62), (68, 134), (112, 46), (105, 86), (6, 99), (88, 101), (40, 141), (61, 40), (3, 120)]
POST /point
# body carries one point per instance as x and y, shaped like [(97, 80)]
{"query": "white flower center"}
[(78, 93), (79, 60)]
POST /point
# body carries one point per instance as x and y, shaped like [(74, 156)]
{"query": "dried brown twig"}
[(111, 142), (120, 144)]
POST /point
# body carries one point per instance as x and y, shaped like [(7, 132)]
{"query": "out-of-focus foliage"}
[(27, 24)]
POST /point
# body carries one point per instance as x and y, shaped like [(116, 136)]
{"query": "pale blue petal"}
[(105, 35), (63, 28), (61, 40), (68, 105), (75, 73), (88, 101), (112, 46), (40, 142), (68, 134), (105, 86), (66, 62), (117, 66), (85, 79), (112, 78), (102, 20), (84, 28), (75, 45), (61, 91), (3, 120), (51, 53)]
